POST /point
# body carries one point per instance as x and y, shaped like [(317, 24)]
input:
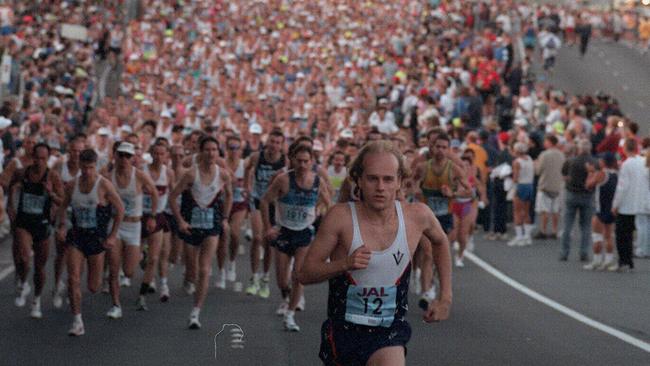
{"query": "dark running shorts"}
[(161, 224), (446, 222), (344, 343), (37, 226), (289, 240), (87, 241)]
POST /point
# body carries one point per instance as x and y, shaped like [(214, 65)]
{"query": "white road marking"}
[(557, 306), (6, 272)]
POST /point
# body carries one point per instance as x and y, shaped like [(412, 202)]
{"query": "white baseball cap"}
[(255, 128), (347, 133), (103, 131), (4, 122), (165, 114), (127, 148)]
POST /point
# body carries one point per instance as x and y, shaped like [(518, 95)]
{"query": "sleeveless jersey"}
[(200, 204), (336, 179), (297, 209), (130, 197), (432, 188), (377, 295), (162, 186), (264, 171), (34, 202), (65, 173), (86, 211), (238, 184)]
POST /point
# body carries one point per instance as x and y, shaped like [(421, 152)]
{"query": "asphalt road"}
[(614, 68), (491, 324)]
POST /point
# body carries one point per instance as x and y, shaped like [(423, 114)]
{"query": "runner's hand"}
[(272, 233), (60, 234), (184, 227), (151, 224), (438, 310), (359, 259), (110, 242)]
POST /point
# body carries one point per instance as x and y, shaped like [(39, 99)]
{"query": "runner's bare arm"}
[(251, 162), (227, 190), (442, 257), (316, 267), (56, 190), (184, 182), (149, 187), (277, 189), (114, 199), (7, 175)]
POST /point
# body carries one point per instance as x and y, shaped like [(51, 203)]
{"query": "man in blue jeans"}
[(578, 200)]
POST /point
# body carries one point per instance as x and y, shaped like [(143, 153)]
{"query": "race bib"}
[(439, 205), (33, 204), (129, 206), (146, 204), (85, 217), (238, 195), (371, 306), (202, 218), (297, 214)]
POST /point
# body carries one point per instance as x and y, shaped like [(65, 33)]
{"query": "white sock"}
[(231, 265), (609, 257), (163, 280), (195, 311), (256, 277), (37, 300), (528, 229), (598, 257), (519, 231), (77, 318), (265, 276), (289, 313)]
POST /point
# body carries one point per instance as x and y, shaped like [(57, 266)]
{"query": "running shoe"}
[(125, 281), (290, 323), (152, 287), (115, 312), (459, 262), (36, 312), (141, 304), (194, 322), (189, 288), (221, 280), (232, 273), (77, 329), (164, 293), (21, 299), (253, 287), (282, 309), (264, 290), (595, 264), (427, 297), (301, 303)]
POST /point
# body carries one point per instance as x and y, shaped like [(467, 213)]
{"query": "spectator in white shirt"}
[(632, 198), (383, 119)]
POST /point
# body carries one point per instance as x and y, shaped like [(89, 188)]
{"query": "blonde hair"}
[(377, 147)]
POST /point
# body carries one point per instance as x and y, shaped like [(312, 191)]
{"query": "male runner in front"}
[(296, 194), (92, 198), (365, 249), (31, 209), (260, 168), (200, 217)]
